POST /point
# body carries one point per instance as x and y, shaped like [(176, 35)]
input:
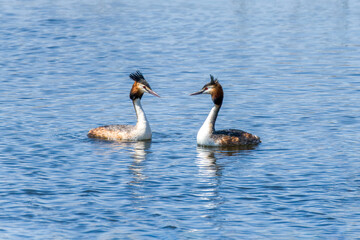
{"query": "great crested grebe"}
[(207, 136), (142, 130)]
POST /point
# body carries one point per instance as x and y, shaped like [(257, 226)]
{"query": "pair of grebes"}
[(207, 136)]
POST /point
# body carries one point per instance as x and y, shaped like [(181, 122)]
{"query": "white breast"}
[(204, 136), (142, 132)]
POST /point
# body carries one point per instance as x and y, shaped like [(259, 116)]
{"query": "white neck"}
[(140, 114), (208, 127), (142, 125)]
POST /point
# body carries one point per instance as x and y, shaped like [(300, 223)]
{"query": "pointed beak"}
[(197, 93), (152, 92)]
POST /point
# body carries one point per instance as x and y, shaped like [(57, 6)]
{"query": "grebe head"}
[(140, 86), (214, 89)]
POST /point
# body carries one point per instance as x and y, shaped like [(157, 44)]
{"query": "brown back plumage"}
[(232, 137)]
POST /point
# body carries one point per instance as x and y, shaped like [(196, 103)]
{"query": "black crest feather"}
[(213, 80), (138, 77)]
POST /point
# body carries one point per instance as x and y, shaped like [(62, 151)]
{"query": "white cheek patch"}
[(208, 91)]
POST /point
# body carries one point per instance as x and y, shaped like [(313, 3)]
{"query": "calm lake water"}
[(291, 75)]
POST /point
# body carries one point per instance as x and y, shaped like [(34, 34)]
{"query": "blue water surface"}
[(291, 75)]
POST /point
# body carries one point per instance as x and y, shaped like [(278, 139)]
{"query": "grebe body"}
[(140, 131), (207, 136)]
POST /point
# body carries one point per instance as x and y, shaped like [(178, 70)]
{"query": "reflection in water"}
[(206, 162), (206, 159), (210, 175), (136, 185), (138, 152), (138, 156), (207, 156), (210, 183)]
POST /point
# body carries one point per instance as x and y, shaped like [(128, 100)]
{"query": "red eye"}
[(206, 88), (144, 87)]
